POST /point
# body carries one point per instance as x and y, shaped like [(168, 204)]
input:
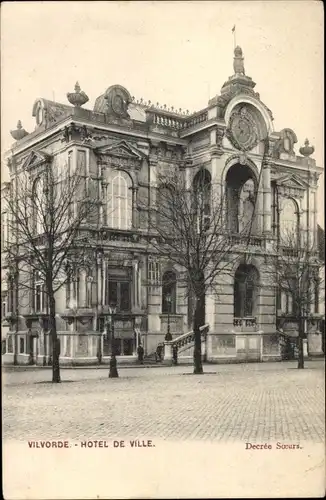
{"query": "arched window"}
[(120, 201), (202, 198), (169, 289), (38, 206), (289, 222), (245, 291)]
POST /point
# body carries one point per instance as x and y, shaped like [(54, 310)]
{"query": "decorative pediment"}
[(122, 149), (292, 181), (121, 154), (291, 185), (35, 159)]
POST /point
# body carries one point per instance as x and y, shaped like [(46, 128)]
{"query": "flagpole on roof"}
[(234, 36)]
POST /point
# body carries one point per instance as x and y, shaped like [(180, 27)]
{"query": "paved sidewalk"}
[(247, 402)]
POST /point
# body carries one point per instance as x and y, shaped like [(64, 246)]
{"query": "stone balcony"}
[(245, 324), (252, 241)]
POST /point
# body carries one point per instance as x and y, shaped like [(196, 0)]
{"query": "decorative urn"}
[(77, 98), (19, 133), (306, 150)]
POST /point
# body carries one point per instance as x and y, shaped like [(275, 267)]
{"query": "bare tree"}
[(295, 273), (47, 207), (189, 225)]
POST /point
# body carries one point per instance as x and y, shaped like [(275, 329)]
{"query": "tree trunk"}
[(53, 332), (99, 349), (44, 347), (300, 344), (113, 372), (199, 320), (15, 346)]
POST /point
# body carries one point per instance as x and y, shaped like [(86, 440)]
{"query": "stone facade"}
[(127, 143)]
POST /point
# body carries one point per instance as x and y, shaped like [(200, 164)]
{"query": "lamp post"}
[(168, 298), (113, 373), (137, 331)]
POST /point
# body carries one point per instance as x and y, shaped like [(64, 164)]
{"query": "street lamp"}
[(168, 298), (113, 362)]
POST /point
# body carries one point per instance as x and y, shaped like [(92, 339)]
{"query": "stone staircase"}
[(186, 341), (184, 344)]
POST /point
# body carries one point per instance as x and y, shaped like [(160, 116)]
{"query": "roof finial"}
[(306, 150), (238, 64), (77, 98), (19, 133)]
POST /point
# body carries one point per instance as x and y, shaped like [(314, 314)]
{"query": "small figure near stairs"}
[(140, 352), (175, 354)]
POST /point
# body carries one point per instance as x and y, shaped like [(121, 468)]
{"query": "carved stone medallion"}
[(242, 131), (118, 99)]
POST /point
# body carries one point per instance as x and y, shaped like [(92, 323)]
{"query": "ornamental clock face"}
[(243, 131), (118, 104)]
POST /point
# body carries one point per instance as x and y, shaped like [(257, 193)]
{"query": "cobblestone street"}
[(247, 402)]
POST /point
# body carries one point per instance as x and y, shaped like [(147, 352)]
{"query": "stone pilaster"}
[(104, 270), (99, 283), (260, 206), (135, 215), (135, 284), (267, 215), (152, 188), (82, 288)]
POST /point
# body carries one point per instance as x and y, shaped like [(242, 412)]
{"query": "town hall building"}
[(123, 146)]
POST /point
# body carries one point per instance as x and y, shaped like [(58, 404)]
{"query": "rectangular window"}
[(21, 345), (38, 298), (154, 272), (39, 293), (287, 302), (119, 295), (124, 296), (113, 293)]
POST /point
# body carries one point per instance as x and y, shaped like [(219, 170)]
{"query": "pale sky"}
[(174, 53)]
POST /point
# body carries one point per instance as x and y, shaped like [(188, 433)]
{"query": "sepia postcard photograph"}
[(162, 249)]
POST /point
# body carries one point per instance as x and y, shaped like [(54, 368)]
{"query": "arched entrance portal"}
[(241, 187)]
